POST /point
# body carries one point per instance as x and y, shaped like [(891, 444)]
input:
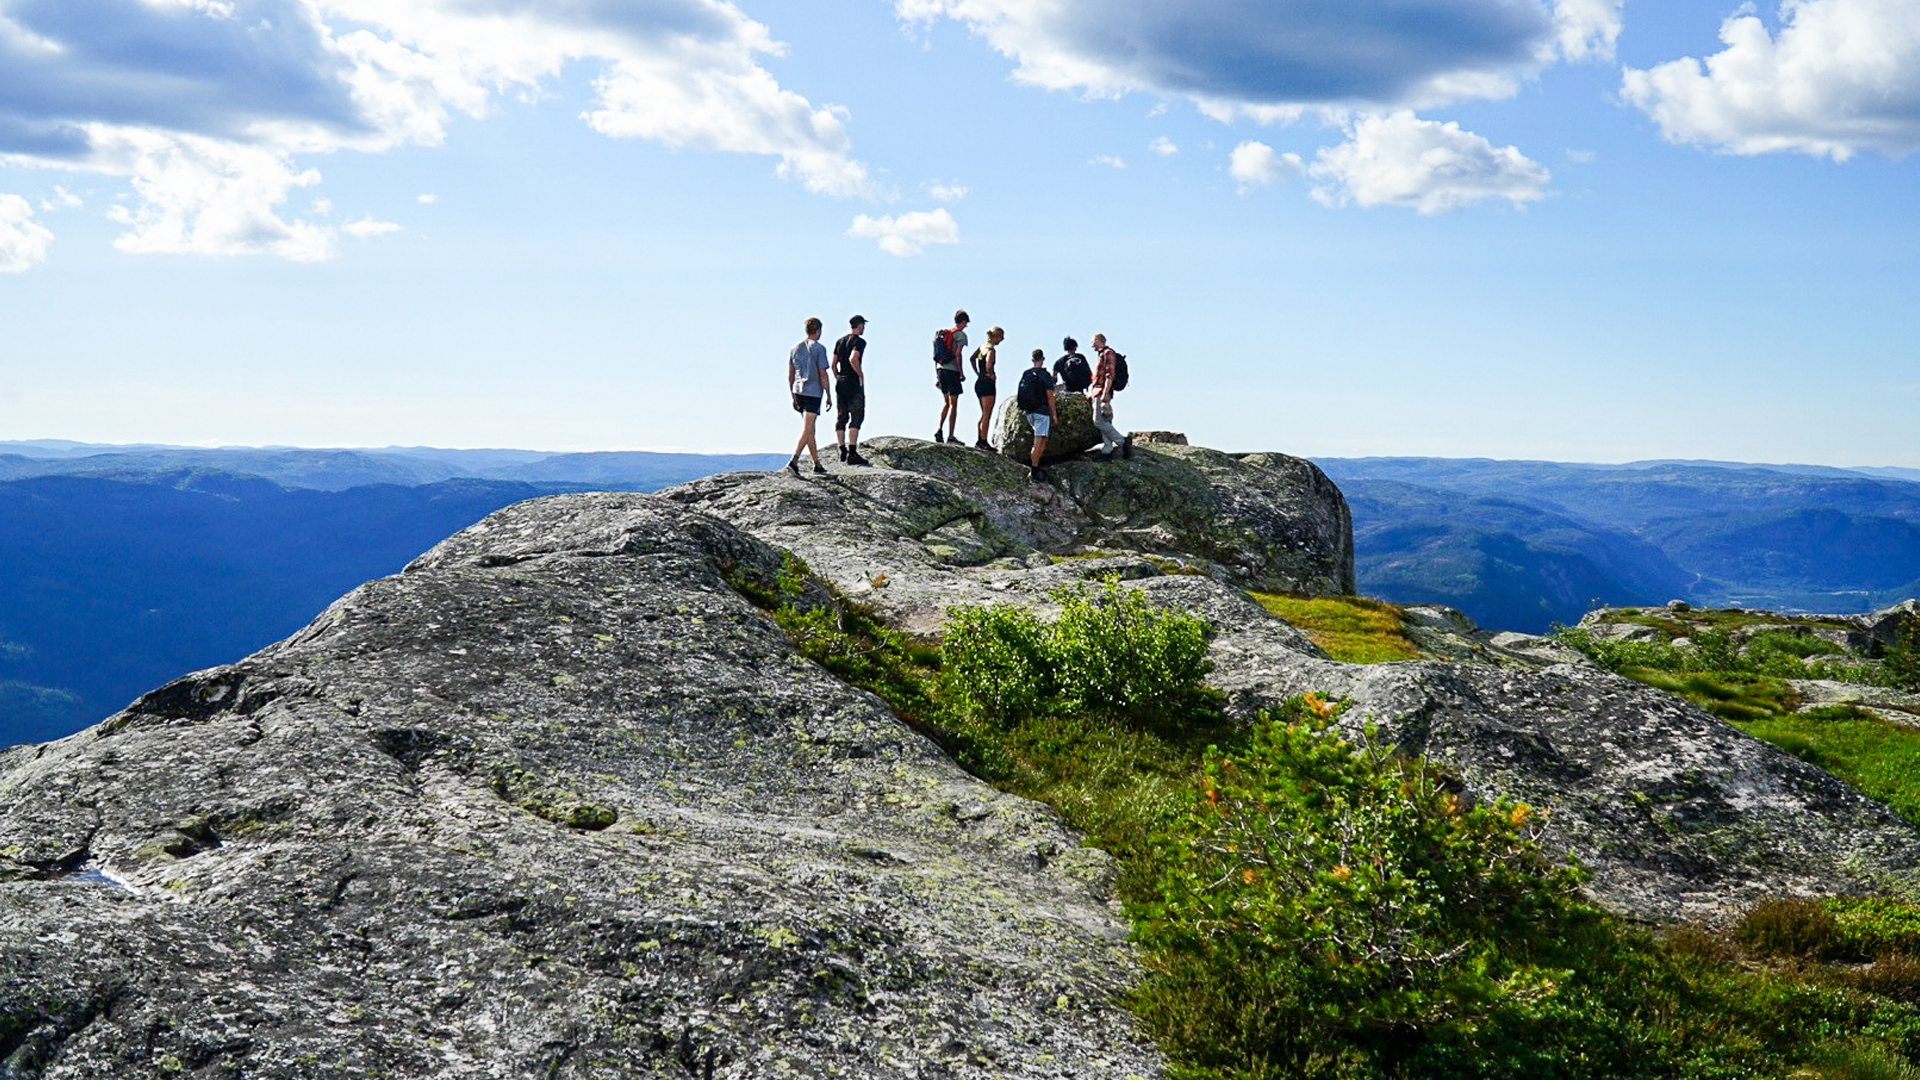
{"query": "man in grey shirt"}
[(806, 378), (947, 375)]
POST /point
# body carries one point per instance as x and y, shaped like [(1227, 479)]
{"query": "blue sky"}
[(1578, 230)]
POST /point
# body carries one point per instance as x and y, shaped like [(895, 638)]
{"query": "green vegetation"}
[(1747, 686), (1311, 904), (1350, 628)]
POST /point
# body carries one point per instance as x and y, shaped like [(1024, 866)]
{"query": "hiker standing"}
[(1108, 376), (1071, 371), (985, 383), (1035, 398), (949, 347), (850, 382), (806, 375)]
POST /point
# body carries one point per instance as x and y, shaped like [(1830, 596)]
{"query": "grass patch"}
[(1352, 629)]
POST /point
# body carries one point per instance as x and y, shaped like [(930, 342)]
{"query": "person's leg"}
[(986, 413), (953, 414), (1109, 435)]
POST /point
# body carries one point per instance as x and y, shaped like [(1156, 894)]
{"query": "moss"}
[(1350, 628), (551, 802)]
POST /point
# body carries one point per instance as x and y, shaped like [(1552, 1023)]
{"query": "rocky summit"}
[(560, 800)]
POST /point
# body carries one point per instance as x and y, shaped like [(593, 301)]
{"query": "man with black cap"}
[(850, 382)]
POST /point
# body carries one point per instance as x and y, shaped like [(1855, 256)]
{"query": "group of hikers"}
[(809, 371)]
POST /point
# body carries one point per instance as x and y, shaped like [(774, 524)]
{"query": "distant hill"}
[(124, 567), (338, 470), (1795, 538)]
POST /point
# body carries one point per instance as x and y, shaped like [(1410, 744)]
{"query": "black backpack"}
[(943, 347), (1032, 394), (1077, 375), (1119, 372)]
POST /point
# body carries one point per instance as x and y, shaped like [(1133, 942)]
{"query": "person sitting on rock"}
[(1035, 398), (1072, 371), (806, 378)]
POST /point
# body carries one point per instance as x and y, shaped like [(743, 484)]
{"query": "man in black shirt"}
[(1071, 371), (850, 384)]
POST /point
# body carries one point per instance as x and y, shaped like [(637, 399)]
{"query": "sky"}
[(1575, 230)]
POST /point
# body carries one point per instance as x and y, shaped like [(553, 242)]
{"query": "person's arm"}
[(853, 361), (1050, 410), (825, 376)]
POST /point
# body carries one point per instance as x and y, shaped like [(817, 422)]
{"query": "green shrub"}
[(1902, 662), (1110, 654), (1790, 927), (1325, 902)]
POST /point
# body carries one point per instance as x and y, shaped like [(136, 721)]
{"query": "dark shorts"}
[(950, 382), (851, 408), (809, 403), (985, 387)]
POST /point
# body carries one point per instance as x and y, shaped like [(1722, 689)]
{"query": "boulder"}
[(1073, 432), (556, 801)]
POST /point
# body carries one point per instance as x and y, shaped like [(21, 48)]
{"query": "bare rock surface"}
[(556, 801)]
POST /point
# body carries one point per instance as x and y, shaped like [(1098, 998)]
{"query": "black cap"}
[(857, 320)]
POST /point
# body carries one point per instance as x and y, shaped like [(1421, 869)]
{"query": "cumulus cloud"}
[(426, 199), (1399, 159), (366, 227), (1269, 57), (948, 192), (1109, 161), (1839, 77), (909, 233), (1255, 164), (23, 241), (181, 97), (1163, 146)]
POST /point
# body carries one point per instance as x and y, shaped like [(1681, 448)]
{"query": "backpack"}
[(942, 347), (1077, 375), (1119, 372), (1032, 395)]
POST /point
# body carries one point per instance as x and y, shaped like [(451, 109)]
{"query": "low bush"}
[(1790, 927), (1110, 654)]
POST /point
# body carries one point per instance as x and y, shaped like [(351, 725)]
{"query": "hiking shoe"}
[(982, 444), (819, 469), (843, 452), (793, 465), (937, 437), (1126, 446), (1036, 473), (854, 458)]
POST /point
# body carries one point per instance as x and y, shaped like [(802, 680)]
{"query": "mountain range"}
[(124, 566)]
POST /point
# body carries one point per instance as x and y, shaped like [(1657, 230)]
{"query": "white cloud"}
[(1841, 76), (23, 241), (366, 227), (1255, 164), (1399, 159), (1270, 57), (62, 199), (909, 233), (1163, 146), (1586, 28), (948, 192), (323, 206), (188, 97), (426, 199), (1109, 161), (202, 196)]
